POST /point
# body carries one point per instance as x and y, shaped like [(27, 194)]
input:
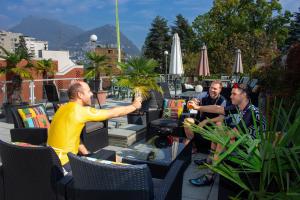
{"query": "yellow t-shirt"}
[(66, 127)]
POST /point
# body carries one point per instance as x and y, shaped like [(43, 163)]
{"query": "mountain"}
[(106, 37), (53, 31), (63, 36)]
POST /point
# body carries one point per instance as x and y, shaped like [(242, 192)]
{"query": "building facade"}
[(112, 54), (34, 46), (9, 41)]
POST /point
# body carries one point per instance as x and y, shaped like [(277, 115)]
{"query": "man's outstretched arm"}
[(92, 114), (208, 109)]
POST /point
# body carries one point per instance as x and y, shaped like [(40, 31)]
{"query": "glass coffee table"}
[(159, 153)]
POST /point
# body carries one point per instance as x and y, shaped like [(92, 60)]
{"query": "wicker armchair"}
[(94, 135), (93, 180), (32, 173), (1, 184), (37, 136)]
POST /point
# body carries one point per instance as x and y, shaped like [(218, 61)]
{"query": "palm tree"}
[(17, 66), (97, 66), (138, 74), (45, 67)]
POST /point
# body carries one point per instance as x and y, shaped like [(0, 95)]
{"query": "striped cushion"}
[(34, 117), (173, 108)]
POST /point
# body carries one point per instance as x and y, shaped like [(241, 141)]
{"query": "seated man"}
[(212, 98), (240, 104), (69, 120)]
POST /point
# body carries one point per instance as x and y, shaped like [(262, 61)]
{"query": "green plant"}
[(138, 74), (273, 157), (17, 65), (45, 67), (97, 66)]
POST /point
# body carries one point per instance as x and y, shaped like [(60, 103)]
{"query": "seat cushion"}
[(173, 108), (93, 126), (170, 123), (34, 117)]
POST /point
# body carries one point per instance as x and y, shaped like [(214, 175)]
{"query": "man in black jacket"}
[(204, 118)]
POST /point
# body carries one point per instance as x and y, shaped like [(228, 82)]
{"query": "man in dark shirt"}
[(242, 106), (202, 118)]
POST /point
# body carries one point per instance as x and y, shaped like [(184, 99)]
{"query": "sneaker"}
[(203, 180)]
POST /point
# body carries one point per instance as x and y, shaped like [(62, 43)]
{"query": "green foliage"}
[(97, 66), (267, 166), (157, 41), (255, 27), (19, 72), (22, 49), (190, 63), (185, 33), (13, 60), (45, 67), (138, 74)]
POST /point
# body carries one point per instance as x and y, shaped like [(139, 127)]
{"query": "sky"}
[(135, 15)]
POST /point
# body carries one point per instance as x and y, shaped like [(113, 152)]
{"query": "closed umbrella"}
[(238, 64), (203, 67), (176, 66)]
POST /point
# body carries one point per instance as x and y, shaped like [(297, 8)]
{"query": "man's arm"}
[(120, 111), (209, 109), (83, 150), (92, 114)]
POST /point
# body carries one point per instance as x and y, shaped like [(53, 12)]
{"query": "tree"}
[(157, 41), (17, 65), (45, 67), (185, 33), (294, 34), (22, 49), (255, 27), (97, 66)]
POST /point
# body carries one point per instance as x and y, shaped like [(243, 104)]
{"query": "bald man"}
[(69, 120)]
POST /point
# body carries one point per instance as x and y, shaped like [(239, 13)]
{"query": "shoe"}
[(200, 162), (202, 181)]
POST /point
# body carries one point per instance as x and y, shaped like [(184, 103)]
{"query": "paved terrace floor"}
[(189, 192)]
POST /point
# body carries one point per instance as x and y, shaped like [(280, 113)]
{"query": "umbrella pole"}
[(175, 84)]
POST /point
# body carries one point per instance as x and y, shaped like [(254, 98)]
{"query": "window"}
[(110, 51)]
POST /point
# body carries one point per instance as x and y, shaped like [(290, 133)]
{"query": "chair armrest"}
[(172, 182), (1, 183), (152, 115), (36, 136), (62, 185)]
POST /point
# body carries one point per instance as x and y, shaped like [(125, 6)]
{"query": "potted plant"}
[(97, 67), (267, 167), (16, 69), (138, 74)]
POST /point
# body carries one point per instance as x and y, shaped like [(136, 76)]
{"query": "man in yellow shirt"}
[(69, 120)]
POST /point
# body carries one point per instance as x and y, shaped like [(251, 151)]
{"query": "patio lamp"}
[(93, 40), (166, 53)]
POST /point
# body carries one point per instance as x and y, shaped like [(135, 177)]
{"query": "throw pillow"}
[(173, 108), (34, 117)]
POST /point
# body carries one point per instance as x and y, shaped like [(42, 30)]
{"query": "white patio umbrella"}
[(238, 64), (203, 67), (176, 66)]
